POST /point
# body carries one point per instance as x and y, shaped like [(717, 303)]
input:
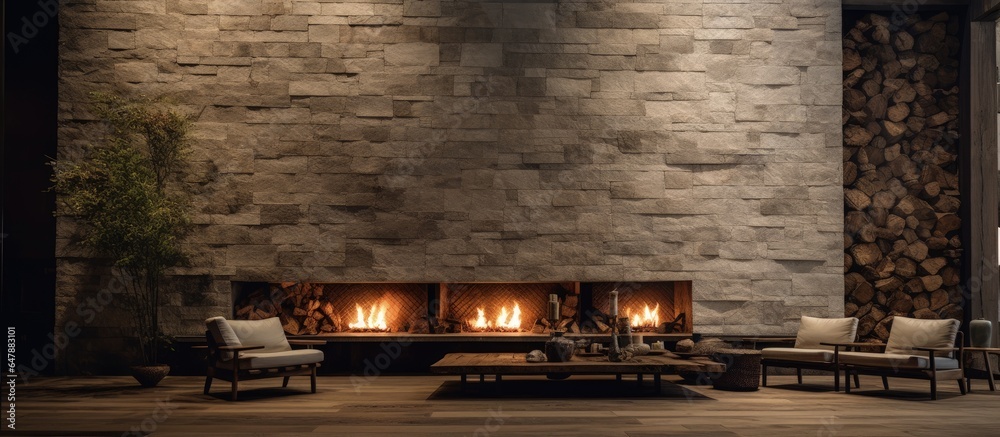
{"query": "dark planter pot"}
[(150, 376), (980, 333)]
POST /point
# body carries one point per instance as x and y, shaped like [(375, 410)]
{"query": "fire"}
[(504, 322), (648, 318), (375, 321)]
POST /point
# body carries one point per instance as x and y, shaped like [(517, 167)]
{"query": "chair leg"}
[(933, 388), (312, 379), (208, 383), (857, 381), (885, 382), (798, 372), (836, 379), (236, 382), (847, 386), (961, 385), (763, 375), (284, 382)]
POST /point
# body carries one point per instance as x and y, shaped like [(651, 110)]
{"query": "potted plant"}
[(127, 194)]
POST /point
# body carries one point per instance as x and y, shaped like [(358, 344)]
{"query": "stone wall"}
[(426, 140)]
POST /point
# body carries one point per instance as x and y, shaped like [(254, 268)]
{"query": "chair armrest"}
[(847, 347), (769, 339), (307, 342), (936, 349), (855, 344), (239, 348)]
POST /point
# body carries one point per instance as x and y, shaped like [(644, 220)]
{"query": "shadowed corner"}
[(564, 389)]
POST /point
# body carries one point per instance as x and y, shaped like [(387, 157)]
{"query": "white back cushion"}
[(223, 334), (907, 333), (815, 330), (267, 333)]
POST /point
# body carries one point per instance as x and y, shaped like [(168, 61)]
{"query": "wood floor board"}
[(405, 406)]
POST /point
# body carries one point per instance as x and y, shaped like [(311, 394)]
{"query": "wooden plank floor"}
[(433, 406)]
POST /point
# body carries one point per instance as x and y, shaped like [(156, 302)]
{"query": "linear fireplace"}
[(456, 308)]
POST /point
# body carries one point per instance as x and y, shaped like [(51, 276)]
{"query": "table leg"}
[(656, 383), (989, 370), (618, 377), (499, 386), (464, 379), (638, 379), (482, 377), (989, 374)]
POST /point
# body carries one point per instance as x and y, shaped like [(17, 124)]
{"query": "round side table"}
[(986, 351)]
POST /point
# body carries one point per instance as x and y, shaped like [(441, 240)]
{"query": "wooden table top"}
[(982, 349), (515, 364)]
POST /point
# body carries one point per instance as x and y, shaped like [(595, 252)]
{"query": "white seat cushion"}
[(264, 360), (815, 330), (796, 354), (906, 334), (899, 361)]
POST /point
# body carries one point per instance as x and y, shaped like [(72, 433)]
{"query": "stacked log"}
[(301, 308), (901, 191), (598, 322), (566, 322), (422, 324), (545, 326)]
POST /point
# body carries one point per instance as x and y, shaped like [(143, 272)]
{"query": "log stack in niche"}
[(300, 306), (901, 191)]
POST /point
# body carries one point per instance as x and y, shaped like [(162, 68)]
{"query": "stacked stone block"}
[(428, 140)]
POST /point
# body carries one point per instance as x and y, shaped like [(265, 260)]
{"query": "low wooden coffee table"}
[(500, 364)]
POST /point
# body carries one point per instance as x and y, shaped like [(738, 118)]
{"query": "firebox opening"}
[(317, 308), (655, 307), (508, 307), (418, 308)]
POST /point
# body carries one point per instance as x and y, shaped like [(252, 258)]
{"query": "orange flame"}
[(647, 318), (374, 321), (505, 321)]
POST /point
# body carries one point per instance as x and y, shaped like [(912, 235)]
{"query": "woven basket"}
[(742, 370), (706, 346)]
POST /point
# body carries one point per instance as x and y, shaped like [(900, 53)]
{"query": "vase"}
[(150, 376), (559, 348), (980, 333)]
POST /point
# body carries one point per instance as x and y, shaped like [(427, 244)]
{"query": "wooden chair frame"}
[(932, 374), (235, 374), (799, 365)]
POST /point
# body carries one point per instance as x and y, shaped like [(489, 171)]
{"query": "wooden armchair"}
[(810, 351), (241, 350), (922, 349)]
